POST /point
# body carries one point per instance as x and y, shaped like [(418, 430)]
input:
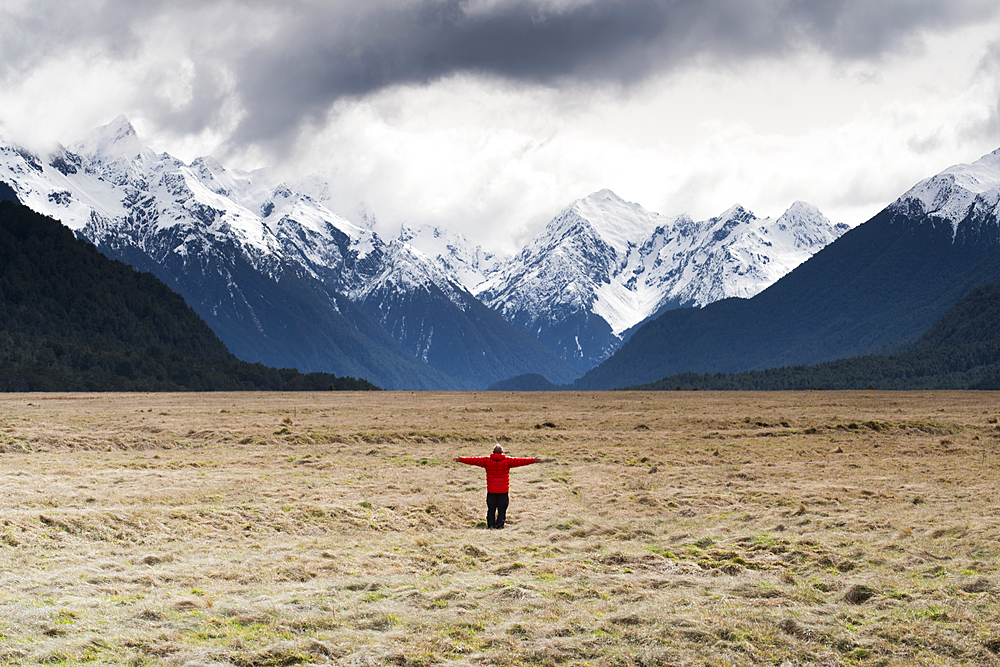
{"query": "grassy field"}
[(676, 528)]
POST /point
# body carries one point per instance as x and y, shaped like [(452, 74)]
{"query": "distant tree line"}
[(960, 351)]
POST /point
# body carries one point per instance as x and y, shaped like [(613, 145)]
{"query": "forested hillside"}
[(960, 351), (72, 320)]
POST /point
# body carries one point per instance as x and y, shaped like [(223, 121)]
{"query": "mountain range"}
[(604, 265), (283, 280), (875, 290), (280, 278)]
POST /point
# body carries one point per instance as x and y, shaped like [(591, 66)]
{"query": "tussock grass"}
[(854, 528)]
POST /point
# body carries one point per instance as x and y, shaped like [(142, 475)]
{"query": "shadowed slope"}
[(960, 351), (72, 320)]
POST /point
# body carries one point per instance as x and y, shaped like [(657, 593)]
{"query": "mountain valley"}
[(285, 281), (874, 290)]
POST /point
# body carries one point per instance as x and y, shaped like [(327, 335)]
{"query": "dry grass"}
[(673, 529)]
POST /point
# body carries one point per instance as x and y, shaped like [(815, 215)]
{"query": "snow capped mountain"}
[(957, 193), (268, 266), (454, 253), (425, 308), (284, 280), (340, 254), (551, 288), (877, 288), (604, 265), (258, 280), (224, 238), (406, 270), (581, 249), (733, 255), (617, 222), (112, 142), (52, 188), (109, 185)]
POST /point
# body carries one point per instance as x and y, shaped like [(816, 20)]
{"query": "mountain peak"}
[(423, 232), (618, 222), (465, 263), (953, 193), (800, 207), (990, 160), (110, 142), (603, 195), (738, 213), (804, 214)]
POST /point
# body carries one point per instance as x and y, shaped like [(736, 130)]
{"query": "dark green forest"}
[(73, 320), (960, 351)]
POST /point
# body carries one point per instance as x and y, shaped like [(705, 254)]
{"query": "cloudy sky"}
[(489, 116)]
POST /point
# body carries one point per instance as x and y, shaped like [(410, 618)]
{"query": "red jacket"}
[(497, 469)]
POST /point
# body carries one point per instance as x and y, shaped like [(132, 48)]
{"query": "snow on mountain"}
[(618, 222), (733, 255), (265, 264), (471, 266), (604, 265), (878, 287), (330, 247), (599, 268), (225, 239), (554, 288), (958, 191), (582, 248), (113, 142), (109, 184), (406, 270), (61, 188), (273, 224), (423, 306)]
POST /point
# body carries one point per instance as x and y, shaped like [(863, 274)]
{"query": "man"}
[(498, 467)]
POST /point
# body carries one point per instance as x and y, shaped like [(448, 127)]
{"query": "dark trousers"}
[(496, 509)]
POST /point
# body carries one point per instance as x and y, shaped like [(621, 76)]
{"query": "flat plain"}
[(673, 528)]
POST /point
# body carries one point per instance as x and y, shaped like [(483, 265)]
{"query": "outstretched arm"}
[(472, 460), (514, 461)]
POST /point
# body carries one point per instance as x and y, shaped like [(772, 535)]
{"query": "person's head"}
[(498, 449)]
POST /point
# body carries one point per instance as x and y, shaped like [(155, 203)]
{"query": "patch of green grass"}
[(666, 553)]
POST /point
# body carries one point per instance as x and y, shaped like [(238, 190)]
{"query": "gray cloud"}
[(355, 48), (313, 53)]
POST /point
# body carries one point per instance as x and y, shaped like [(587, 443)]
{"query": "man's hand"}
[(457, 460), (538, 460)]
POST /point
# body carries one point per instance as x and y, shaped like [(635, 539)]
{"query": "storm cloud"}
[(322, 53), (286, 63)]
